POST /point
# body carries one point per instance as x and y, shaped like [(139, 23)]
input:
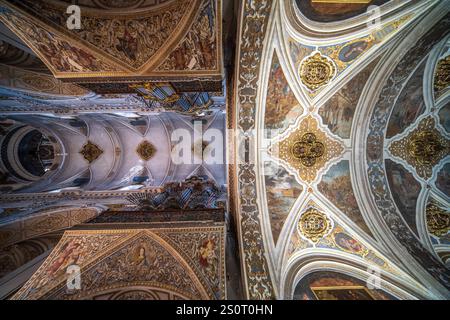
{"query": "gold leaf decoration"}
[(438, 220), (145, 150), (314, 225), (307, 149), (316, 71), (91, 152), (423, 148), (442, 75)]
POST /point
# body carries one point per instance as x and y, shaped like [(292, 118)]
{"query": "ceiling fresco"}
[(212, 150), (169, 40), (309, 102), (159, 263)]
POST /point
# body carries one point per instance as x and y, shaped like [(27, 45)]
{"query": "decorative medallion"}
[(314, 225), (145, 150), (91, 152), (316, 71), (306, 149), (423, 148), (442, 75), (438, 220)]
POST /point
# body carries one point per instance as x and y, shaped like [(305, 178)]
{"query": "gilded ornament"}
[(423, 148), (308, 149), (442, 74), (145, 150), (438, 220), (91, 152), (314, 225), (316, 71)]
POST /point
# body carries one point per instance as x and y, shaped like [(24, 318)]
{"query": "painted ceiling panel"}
[(336, 185), (170, 40), (282, 190), (282, 107)]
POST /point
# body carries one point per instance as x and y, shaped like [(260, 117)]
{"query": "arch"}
[(312, 260)]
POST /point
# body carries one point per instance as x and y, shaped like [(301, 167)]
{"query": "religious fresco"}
[(282, 107), (190, 264), (60, 55), (296, 244), (443, 180), (130, 41), (405, 191), (336, 185), (341, 55), (41, 84), (164, 42), (198, 50), (320, 231), (347, 53), (282, 190), (328, 285), (409, 106), (206, 252), (160, 251), (69, 250), (337, 113), (298, 52), (340, 239)]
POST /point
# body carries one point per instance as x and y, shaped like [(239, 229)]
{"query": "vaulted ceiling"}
[(337, 163), (343, 126)]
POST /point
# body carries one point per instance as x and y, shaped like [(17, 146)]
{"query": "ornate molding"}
[(253, 28)]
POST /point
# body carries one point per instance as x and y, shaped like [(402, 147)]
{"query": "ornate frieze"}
[(254, 20)]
